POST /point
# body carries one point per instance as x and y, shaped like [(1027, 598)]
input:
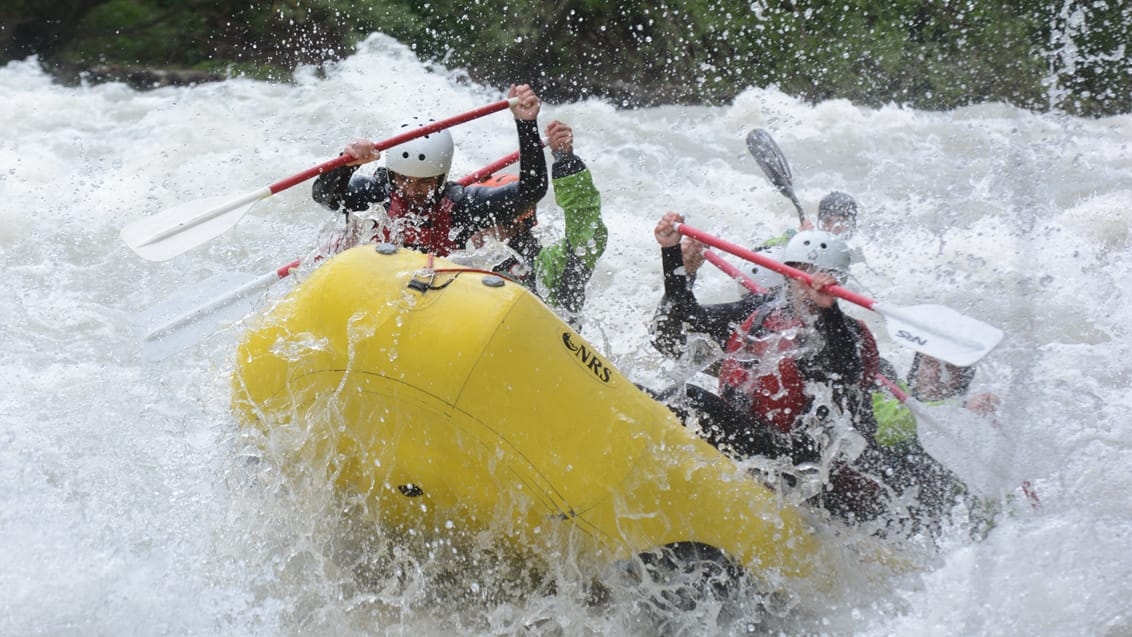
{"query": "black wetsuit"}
[(472, 209), (837, 362), (730, 424)]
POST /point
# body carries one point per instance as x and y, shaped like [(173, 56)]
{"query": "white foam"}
[(116, 517)]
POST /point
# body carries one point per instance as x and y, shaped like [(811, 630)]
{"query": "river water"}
[(125, 503)]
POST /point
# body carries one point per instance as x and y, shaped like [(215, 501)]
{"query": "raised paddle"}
[(957, 438), (770, 158), (935, 330), (174, 231), (192, 314)]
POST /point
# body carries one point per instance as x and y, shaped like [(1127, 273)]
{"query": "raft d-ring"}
[(410, 490), (423, 280), (386, 248), (493, 281)]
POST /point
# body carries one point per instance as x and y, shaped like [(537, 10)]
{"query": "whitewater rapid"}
[(126, 505)]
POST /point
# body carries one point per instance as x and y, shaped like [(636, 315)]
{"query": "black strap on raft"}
[(423, 285)]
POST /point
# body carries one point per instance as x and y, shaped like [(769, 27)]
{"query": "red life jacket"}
[(776, 396), (434, 235)]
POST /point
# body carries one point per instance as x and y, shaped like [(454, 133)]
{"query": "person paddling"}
[(424, 211), (797, 374), (934, 383), (558, 272)]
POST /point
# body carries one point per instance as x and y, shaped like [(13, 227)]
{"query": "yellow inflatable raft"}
[(447, 396)]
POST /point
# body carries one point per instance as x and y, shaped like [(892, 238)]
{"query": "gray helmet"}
[(838, 204), (823, 250), (428, 156)]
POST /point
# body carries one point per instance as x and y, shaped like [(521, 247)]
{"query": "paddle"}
[(172, 232), (191, 315), (935, 330), (733, 272), (770, 158), (965, 443), (968, 454)]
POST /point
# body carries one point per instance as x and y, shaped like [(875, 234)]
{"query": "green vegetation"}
[(932, 54)]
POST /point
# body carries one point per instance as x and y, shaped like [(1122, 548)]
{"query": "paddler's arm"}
[(343, 189), (840, 357), (533, 181), (565, 267), (679, 311), (487, 207), (669, 319)]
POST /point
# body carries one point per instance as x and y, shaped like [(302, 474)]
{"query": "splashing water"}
[(131, 504)]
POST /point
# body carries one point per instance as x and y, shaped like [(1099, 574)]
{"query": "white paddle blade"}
[(172, 232), (941, 332), (193, 314), (984, 458)]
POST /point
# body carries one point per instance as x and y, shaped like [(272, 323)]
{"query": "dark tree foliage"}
[(934, 54), (30, 27)]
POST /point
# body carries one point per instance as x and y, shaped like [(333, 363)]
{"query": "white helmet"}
[(428, 156), (824, 250)]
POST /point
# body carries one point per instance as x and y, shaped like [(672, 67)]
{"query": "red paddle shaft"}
[(771, 264), (342, 160)]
